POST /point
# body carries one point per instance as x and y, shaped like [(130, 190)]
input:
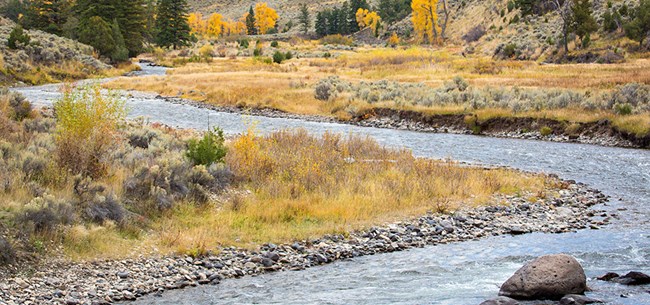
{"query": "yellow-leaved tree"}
[(232, 27), (265, 17), (369, 19), (215, 25), (197, 24), (425, 20)]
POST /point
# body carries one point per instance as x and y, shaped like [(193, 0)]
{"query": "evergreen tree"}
[(171, 25), (251, 29), (583, 21), (321, 24), (120, 52), (13, 10), (96, 32), (333, 21), (639, 26), (47, 15), (343, 21), (150, 20), (129, 15), (392, 11), (304, 19)]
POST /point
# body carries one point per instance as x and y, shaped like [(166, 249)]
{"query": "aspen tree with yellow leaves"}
[(425, 20), (265, 17), (215, 25), (197, 24), (366, 18)]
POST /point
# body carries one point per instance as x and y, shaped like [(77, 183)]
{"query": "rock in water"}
[(547, 277), (500, 301)]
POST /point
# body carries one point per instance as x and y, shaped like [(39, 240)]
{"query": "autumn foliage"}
[(265, 17), (425, 20), (366, 18), (214, 26)]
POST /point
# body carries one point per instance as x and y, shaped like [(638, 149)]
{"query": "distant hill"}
[(485, 26)]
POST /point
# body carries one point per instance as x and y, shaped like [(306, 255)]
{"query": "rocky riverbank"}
[(104, 282), (601, 133)]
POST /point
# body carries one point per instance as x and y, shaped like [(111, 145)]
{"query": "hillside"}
[(487, 27), (46, 58)]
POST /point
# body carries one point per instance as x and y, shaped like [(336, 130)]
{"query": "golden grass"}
[(246, 82), (292, 185)]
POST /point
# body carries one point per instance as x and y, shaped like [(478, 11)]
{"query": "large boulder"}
[(547, 277)]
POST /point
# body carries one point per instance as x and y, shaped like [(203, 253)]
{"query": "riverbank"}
[(602, 133), (58, 282)]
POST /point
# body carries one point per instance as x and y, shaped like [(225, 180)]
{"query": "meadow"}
[(428, 80)]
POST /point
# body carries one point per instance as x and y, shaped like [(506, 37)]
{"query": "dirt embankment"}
[(601, 132)]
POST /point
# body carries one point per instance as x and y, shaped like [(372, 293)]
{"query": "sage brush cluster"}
[(632, 98)]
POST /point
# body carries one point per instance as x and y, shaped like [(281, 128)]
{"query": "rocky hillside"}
[(45, 58), (489, 27)]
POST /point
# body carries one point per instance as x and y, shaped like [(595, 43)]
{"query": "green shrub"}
[(17, 35), (274, 44), (288, 55), (244, 43), (546, 131), (209, 150), (623, 108), (327, 55), (278, 57), (510, 50)]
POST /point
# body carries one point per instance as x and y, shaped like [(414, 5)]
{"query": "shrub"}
[(7, 253), (206, 52), (274, 44), (623, 108), (278, 57), (87, 125), (244, 43), (104, 208), (288, 55), (208, 150), (327, 55), (487, 67), (546, 131), (393, 41), (45, 214), (17, 107), (336, 39), (474, 34), (17, 35), (324, 90), (510, 50)]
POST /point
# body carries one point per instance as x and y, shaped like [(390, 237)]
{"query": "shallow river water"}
[(459, 273)]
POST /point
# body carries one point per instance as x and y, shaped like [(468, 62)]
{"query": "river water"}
[(459, 273)]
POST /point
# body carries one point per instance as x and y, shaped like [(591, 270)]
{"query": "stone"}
[(634, 278), (123, 274), (501, 300), (576, 299), (547, 277), (608, 276)]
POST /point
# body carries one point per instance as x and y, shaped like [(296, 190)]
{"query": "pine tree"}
[(47, 15), (96, 32), (321, 24), (353, 7), (583, 21), (639, 26), (250, 22), (304, 19), (171, 25), (120, 52), (343, 22)]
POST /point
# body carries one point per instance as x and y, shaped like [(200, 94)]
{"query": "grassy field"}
[(251, 82), (142, 194)]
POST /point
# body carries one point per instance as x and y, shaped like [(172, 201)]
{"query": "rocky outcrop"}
[(501, 300), (547, 277)]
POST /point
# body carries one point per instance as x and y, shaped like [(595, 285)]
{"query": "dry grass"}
[(328, 184), (246, 82), (321, 185)]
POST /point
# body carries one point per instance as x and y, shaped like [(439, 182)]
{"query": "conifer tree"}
[(304, 19), (171, 24), (250, 22)]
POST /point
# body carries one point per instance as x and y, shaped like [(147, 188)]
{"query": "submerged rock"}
[(577, 299), (547, 277), (501, 300)]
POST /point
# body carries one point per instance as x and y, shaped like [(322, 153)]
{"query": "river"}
[(458, 273)]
